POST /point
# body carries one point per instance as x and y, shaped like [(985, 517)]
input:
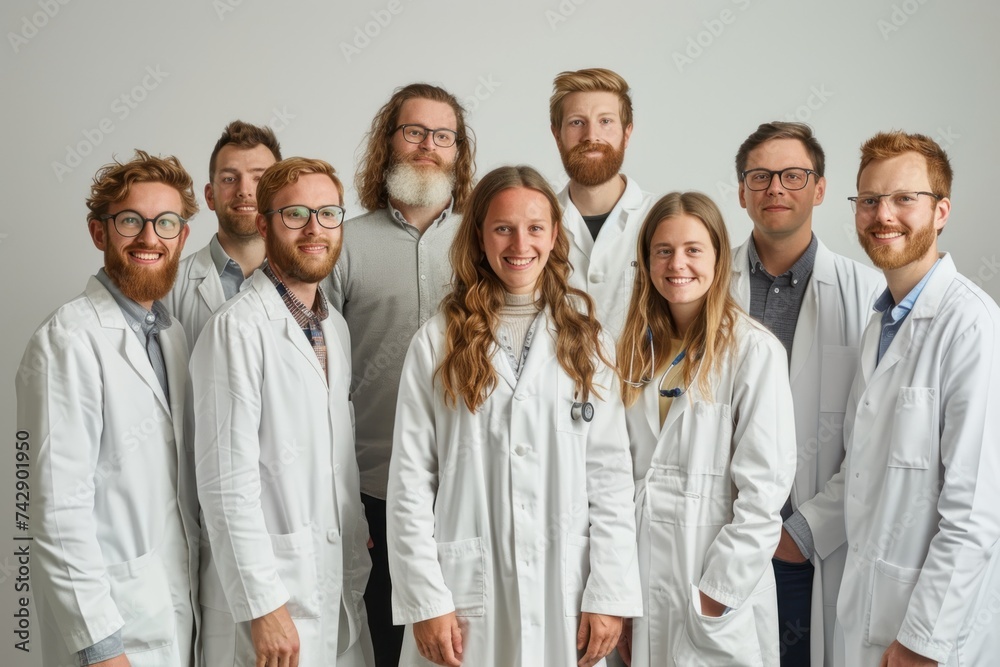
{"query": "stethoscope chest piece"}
[(583, 410)]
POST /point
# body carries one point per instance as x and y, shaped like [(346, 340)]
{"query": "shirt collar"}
[(802, 267), (398, 217), (220, 258), (889, 308), (156, 319), (292, 301)]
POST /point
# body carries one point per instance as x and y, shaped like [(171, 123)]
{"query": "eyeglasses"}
[(297, 216), (167, 225), (898, 201), (792, 178), (415, 134)]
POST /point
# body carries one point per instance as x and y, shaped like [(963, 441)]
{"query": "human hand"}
[(898, 655), (439, 639), (711, 607), (599, 634), (625, 643), (788, 550), (117, 661), (275, 639)]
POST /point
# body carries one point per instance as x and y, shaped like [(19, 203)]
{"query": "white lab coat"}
[(836, 306), (708, 506), (277, 476), (917, 497), (605, 268), (516, 517), (113, 507), (196, 294)]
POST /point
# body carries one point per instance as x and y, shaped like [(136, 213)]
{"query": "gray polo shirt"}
[(775, 301), (389, 280)]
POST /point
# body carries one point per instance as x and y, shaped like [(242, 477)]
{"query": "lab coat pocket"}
[(913, 428), (839, 366), (892, 586), (463, 565), (706, 439), (141, 591), (576, 571), (569, 420), (729, 640), (295, 554)]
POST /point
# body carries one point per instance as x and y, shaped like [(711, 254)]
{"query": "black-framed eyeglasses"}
[(792, 178), (898, 201), (415, 134), (167, 225), (296, 216)]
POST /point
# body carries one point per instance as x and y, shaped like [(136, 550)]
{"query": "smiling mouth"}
[(144, 255), (680, 281), (887, 235), (519, 263)]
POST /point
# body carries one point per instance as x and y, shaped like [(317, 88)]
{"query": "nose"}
[(774, 185), (519, 240), (247, 187), (428, 142), (148, 235), (883, 211)]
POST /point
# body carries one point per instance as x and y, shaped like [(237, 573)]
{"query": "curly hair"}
[(377, 158), (113, 182), (710, 335), (472, 309), (246, 136)]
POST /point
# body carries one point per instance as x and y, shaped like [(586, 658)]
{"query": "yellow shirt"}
[(673, 379)]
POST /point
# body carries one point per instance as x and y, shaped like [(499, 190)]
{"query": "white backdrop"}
[(84, 81)]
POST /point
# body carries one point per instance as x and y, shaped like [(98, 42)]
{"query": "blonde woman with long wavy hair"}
[(510, 515), (709, 417)]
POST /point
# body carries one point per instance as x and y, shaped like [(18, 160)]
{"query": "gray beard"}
[(419, 187)]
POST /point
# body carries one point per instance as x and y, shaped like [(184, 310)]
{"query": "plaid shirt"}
[(305, 317)]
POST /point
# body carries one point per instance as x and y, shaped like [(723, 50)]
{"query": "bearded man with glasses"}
[(817, 304), (101, 401), (414, 178), (286, 559)]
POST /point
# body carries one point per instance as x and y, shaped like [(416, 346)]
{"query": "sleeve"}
[(761, 468), (60, 404), (109, 647), (226, 381), (613, 586), (957, 569), (419, 591)]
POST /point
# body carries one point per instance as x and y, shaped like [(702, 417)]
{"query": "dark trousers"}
[(794, 590), (387, 638)]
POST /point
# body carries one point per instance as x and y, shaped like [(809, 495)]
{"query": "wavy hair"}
[(595, 80), (113, 182), (886, 145), (711, 336), (286, 172), (472, 308), (374, 164)]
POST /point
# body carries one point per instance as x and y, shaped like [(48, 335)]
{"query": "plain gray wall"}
[(703, 76)]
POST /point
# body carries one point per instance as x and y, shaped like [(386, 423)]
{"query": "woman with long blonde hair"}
[(510, 518), (713, 447)]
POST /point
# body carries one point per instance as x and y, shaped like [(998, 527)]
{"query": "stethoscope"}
[(643, 380), (584, 410)]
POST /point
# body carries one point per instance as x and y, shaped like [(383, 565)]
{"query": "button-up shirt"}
[(310, 320), (775, 301), (230, 274), (893, 314)]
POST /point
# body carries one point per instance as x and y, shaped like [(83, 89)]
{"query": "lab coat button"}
[(336, 469), (521, 450), (597, 277), (332, 536)]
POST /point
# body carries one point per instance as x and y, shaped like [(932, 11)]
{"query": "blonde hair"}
[(375, 162), (710, 338), (284, 173), (113, 182), (472, 309), (596, 80)]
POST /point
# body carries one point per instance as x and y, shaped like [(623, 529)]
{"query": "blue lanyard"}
[(676, 391)]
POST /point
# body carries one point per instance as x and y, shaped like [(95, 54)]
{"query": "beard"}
[(588, 171), (916, 245), (421, 186), (306, 268), (242, 226), (141, 283)]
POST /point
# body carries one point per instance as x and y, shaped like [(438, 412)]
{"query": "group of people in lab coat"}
[(588, 429)]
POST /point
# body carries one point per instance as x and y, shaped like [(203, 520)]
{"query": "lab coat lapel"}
[(820, 289), (543, 349), (210, 287), (110, 315), (740, 286), (277, 311), (574, 226), (175, 358), (502, 366)]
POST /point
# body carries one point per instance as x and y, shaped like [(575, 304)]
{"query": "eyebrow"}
[(233, 170)]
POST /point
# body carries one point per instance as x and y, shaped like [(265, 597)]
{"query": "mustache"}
[(589, 147), (411, 158)]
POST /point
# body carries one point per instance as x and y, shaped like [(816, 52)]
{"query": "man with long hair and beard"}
[(510, 514), (414, 178), (915, 500), (591, 116), (287, 563), (100, 397), (214, 274)]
